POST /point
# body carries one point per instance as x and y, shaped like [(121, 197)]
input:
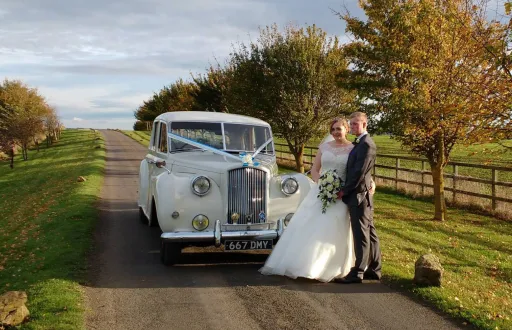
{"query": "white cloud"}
[(98, 61), (77, 119)]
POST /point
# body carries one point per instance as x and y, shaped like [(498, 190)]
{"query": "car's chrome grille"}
[(247, 194)]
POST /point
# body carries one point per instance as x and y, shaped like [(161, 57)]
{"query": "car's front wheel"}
[(142, 216), (170, 253)]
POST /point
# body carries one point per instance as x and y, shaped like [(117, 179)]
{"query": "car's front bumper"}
[(219, 236)]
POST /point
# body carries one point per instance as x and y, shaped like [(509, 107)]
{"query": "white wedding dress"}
[(316, 245)]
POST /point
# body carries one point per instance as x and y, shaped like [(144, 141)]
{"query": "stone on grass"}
[(428, 270), (81, 179), (13, 311)]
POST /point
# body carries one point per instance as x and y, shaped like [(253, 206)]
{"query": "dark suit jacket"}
[(360, 163)]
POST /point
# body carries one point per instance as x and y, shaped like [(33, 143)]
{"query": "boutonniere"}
[(358, 140)]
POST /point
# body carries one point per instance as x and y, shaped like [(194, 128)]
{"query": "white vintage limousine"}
[(212, 179)]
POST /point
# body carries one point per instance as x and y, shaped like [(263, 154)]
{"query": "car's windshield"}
[(239, 137)]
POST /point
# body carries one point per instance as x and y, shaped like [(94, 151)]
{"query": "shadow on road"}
[(128, 256)]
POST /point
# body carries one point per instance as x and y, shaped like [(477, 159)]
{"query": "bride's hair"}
[(343, 121)]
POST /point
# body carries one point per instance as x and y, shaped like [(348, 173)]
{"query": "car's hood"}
[(208, 161)]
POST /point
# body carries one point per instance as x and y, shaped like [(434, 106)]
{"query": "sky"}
[(96, 61)]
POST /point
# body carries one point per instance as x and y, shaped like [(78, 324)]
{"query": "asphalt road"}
[(130, 289)]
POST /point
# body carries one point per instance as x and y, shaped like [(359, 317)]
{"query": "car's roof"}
[(209, 117)]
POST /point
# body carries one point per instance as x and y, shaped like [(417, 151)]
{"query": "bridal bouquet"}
[(329, 184)]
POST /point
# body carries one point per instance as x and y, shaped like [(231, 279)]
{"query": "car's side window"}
[(162, 143), (154, 136)]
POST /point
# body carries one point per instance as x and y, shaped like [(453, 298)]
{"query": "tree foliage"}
[(22, 116), (426, 67), (289, 79), (212, 89), (52, 126), (175, 97)]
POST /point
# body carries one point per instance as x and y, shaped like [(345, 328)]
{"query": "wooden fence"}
[(416, 171)]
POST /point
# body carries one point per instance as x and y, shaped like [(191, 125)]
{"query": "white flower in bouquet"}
[(329, 184)]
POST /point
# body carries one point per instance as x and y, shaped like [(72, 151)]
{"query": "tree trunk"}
[(298, 153), (24, 151), (439, 200), (11, 154)]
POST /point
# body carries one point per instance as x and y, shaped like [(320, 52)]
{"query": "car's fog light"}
[(289, 186), (288, 218), (200, 222)]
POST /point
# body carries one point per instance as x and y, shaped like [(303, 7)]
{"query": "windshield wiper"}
[(185, 150)]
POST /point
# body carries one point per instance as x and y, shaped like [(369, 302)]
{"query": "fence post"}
[(494, 180), (454, 182), (423, 178), (396, 173)]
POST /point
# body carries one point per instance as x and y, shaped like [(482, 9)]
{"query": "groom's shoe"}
[(369, 275), (348, 280)]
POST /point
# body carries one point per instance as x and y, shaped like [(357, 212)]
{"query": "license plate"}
[(264, 244)]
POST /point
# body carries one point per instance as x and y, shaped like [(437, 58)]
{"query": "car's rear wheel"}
[(170, 253), (142, 216)]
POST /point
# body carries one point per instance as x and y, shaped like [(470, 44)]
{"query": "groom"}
[(355, 194)]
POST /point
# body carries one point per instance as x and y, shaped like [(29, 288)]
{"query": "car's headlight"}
[(201, 185), (200, 222), (288, 218), (289, 186)]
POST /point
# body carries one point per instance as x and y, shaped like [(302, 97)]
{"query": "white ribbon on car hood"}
[(220, 152)]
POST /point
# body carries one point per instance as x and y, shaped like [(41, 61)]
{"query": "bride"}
[(318, 245)]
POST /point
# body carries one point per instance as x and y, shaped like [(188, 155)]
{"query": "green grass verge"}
[(47, 221), (142, 137), (475, 251)]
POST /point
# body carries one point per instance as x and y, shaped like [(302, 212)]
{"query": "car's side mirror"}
[(161, 164)]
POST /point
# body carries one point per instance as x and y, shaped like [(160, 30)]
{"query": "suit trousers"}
[(366, 241)]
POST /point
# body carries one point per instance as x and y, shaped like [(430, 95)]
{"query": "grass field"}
[(46, 223), (475, 251), (485, 154)]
